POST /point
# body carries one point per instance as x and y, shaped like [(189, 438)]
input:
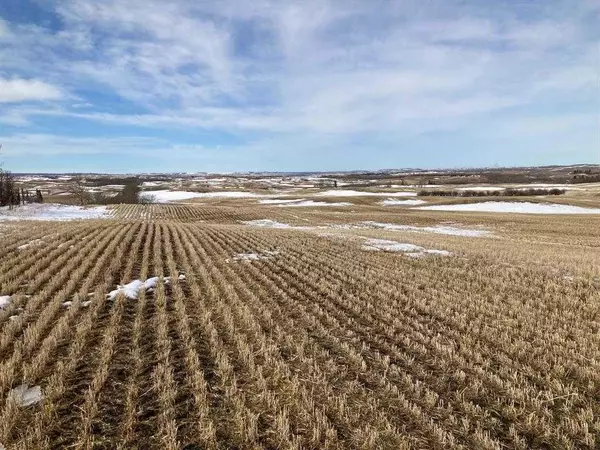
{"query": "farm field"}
[(299, 225), (300, 328)]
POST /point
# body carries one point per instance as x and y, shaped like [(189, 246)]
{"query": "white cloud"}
[(48, 144), (21, 90), (547, 126)]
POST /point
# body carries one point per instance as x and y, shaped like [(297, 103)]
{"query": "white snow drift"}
[(279, 201), (514, 208), (350, 193), (132, 290), (265, 254), (34, 243), (24, 395), (414, 251), (392, 202), (438, 229), (267, 223), (481, 189), (4, 301), (51, 211)]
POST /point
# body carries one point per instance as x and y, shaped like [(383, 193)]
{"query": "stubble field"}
[(317, 335)]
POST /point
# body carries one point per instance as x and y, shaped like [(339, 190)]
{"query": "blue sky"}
[(154, 86)]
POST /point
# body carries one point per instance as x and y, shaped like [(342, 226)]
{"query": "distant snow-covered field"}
[(51, 211), (514, 208), (350, 193), (392, 202), (171, 196)]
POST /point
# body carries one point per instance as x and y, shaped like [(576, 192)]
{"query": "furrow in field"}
[(109, 401), (195, 424), (126, 432)]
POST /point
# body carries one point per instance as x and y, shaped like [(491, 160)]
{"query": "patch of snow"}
[(438, 229), (438, 252), (50, 211), (266, 254), (35, 242), (24, 395), (170, 196), (111, 186), (392, 202), (414, 251), (350, 193), (514, 208), (546, 185), (246, 257), (481, 188), (390, 246), (267, 223), (396, 186), (308, 203), (86, 303), (26, 178), (151, 283), (4, 301), (132, 290), (277, 201)]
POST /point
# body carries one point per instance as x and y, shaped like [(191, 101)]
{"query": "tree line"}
[(130, 194)]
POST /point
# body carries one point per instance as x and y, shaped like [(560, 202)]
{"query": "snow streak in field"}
[(438, 229), (132, 290), (308, 203), (266, 223), (57, 212), (350, 193), (392, 202), (252, 256), (4, 301), (414, 251)]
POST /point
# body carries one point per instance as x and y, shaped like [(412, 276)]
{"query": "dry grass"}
[(321, 345)]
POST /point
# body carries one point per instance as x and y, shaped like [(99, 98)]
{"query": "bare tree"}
[(9, 193), (78, 190)]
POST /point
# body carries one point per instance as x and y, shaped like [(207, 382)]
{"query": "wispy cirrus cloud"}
[(25, 144)]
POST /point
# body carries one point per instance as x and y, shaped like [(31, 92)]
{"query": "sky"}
[(257, 85)]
